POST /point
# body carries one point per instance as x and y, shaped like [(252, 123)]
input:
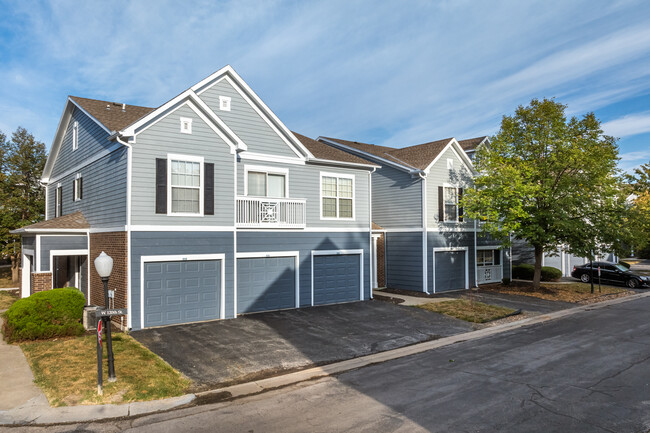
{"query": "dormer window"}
[(224, 103), (186, 125), (75, 135)]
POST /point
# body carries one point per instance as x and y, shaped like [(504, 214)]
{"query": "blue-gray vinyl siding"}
[(304, 243), (304, 183), (93, 139), (179, 243), (181, 291), (450, 270), (265, 284), (336, 278), (49, 243), (29, 242), (244, 121), (164, 137), (404, 261), (522, 252), (396, 198), (104, 191), (440, 175)]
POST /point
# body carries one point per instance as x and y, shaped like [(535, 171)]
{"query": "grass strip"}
[(470, 311), (66, 370), (571, 292)]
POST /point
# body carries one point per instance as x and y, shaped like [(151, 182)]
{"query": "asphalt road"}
[(589, 372)]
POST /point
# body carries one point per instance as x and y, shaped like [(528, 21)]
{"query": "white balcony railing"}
[(489, 274), (271, 212)]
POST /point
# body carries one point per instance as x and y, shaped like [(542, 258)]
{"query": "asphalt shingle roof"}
[(324, 151), (74, 220), (110, 114), (471, 143)]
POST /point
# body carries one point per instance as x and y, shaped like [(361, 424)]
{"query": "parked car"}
[(610, 273)]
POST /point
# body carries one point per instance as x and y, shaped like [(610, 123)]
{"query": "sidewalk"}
[(36, 410), (409, 300)]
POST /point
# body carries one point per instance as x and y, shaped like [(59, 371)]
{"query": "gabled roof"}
[(417, 158), (71, 222), (471, 144), (113, 115), (324, 152)]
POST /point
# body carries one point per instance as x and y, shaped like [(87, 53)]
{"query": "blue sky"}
[(386, 72)]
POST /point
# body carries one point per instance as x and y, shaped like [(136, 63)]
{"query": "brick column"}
[(41, 281), (381, 261), (115, 245)]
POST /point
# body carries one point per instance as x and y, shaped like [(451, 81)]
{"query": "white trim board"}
[(270, 254), (443, 249), (338, 253), (186, 257)]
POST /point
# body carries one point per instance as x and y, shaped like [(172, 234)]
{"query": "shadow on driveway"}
[(265, 344)]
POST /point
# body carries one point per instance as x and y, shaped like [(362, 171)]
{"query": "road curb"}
[(38, 412)]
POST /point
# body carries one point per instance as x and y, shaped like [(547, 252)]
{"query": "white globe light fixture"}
[(104, 265)]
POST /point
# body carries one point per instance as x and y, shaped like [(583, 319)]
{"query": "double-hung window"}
[(266, 182), (185, 185), (488, 257), (337, 196), (449, 209)]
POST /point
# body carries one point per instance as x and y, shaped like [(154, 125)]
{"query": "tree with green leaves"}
[(637, 228), (22, 160), (551, 181)]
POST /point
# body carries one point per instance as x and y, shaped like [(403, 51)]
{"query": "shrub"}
[(526, 272), (506, 281), (47, 314), (626, 264)]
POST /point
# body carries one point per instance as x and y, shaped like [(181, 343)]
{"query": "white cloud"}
[(631, 124)]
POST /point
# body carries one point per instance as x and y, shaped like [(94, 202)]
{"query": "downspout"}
[(425, 256), (129, 168), (476, 257), (373, 264)]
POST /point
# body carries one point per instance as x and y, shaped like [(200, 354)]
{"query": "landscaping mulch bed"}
[(406, 293), (566, 292), (390, 299), (66, 370)]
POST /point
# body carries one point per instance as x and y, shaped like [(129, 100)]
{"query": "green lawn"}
[(470, 311), (66, 371), (7, 298)]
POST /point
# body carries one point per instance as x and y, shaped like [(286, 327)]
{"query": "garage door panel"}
[(450, 270), (180, 292), (265, 284), (336, 278)]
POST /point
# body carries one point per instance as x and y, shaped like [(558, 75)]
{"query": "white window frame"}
[(77, 181), (227, 100), (185, 158), (75, 135), (186, 121), (58, 200), (337, 176), (493, 248), (267, 170), (444, 203)]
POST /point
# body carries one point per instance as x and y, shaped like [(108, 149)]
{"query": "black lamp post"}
[(104, 267)]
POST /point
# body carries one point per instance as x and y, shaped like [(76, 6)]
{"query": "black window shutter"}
[(441, 204), (460, 208), (208, 189), (81, 188), (74, 187), (161, 185), (60, 197)]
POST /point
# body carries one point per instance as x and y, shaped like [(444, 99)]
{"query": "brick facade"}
[(115, 245), (381, 261), (41, 281)]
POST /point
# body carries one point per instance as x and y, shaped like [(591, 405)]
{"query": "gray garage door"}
[(336, 279), (450, 270), (181, 292), (265, 284)]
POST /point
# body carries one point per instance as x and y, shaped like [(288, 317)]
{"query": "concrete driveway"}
[(265, 344)]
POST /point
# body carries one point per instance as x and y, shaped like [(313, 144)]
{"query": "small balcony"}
[(489, 274), (265, 212)]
